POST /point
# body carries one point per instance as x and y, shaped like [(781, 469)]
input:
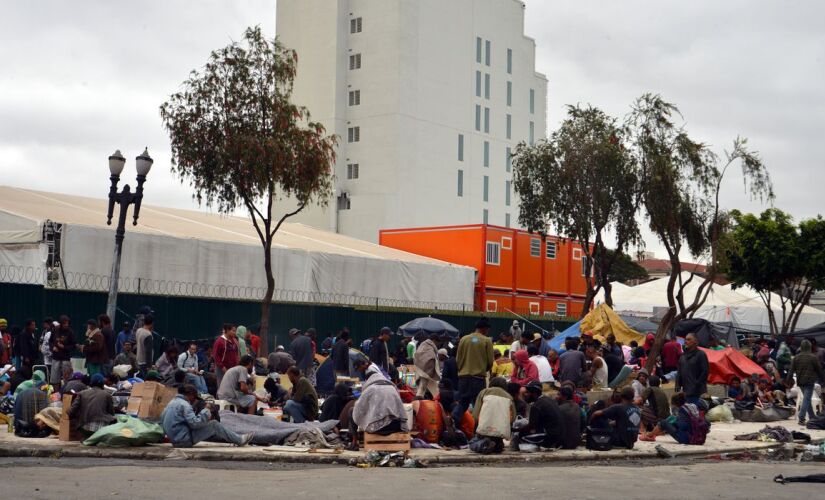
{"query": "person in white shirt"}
[(521, 343), (542, 363), (188, 363)]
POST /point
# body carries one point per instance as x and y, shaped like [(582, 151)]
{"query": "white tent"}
[(723, 305), (186, 252)]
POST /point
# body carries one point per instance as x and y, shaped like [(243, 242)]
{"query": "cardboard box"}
[(148, 399), (66, 432)]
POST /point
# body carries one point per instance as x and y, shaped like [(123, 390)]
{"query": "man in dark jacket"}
[(62, 344), (340, 354), (808, 372), (692, 378), (547, 425), (574, 421), (379, 353), (93, 408), (28, 344), (304, 355), (110, 338)]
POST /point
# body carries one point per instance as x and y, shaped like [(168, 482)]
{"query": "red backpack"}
[(699, 426)]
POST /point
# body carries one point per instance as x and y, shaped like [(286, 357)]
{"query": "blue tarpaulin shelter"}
[(557, 342)]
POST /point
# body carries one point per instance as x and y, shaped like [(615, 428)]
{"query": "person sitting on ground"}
[(178, 379), (598, 368), (188, 363), (167, 364), (654, 405), (280, 360), (639, 385), (573, 417), (503, 365), (235, 387), (127, 357), (626, 419), (516, 392), (764, 392), (494, 413), (334, 404), (303, 404), (736, 390), (185, 429), (553, 359), (543, 366), (525, 371), (77, 383), (36, 379), (379, 410), (572, 362), (152, 376), (15, 378), (679, 427), (93, 408), (27, 404), (546, 426), (278, 396)]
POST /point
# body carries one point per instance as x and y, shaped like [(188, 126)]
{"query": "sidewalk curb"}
[(158, 454)]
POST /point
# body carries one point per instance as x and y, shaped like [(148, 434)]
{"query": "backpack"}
[(599, 439), (699, 427)]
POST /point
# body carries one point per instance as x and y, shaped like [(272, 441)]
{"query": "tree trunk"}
[(608, 293), (588, 300), (667, 323), (267, 300)]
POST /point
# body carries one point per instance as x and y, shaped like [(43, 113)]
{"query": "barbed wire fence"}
[(55, 278)]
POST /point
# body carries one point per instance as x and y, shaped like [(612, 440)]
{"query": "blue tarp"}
[(557, 342)]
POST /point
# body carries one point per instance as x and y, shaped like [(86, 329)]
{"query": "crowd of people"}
[(474, 391)]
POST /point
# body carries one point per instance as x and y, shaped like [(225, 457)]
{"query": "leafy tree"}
[(680, 184), (781, 261), (241, 143), (582, 182), (624, 268)]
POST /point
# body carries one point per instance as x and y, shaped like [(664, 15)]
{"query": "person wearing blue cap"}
[(93, 408)]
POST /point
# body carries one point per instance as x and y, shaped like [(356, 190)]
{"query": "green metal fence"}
[(192, 318)]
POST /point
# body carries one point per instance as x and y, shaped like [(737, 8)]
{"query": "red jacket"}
[(671, 352), (226, 353), (525, 370)]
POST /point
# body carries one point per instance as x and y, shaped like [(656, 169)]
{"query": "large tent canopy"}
[(601, 322), (186, 247), (742, 308)]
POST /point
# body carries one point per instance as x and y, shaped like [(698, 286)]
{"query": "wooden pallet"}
[(400, 441)]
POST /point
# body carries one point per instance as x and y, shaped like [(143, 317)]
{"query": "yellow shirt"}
[(502, 369)]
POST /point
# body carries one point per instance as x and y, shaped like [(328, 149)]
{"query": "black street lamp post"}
[(124, 198)]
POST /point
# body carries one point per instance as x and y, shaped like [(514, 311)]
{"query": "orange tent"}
[(729, 362)]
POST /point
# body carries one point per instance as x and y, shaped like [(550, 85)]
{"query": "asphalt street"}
[(89, 479)]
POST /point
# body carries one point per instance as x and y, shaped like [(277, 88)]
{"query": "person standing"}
[(94, 348), (28, 344), (340, 354), (145, 344), (671, 352), (253, 343), (49, 325), (5, 342), (475, 360), (304, 356), (125, 335), (808, 372), (427, 369), (379, 352), (692, 377), (110, 339), (225, 351), (61, 344)]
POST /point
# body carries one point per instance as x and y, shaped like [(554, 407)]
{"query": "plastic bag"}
[(719, 413), (128, 431)]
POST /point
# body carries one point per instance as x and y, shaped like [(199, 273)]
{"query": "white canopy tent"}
[(723, 305), (189, 252)]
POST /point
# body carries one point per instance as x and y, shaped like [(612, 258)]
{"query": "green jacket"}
[(807, 368), (475, 355), (304, 393)]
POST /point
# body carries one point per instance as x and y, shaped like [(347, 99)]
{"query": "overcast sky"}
[(80, 79)]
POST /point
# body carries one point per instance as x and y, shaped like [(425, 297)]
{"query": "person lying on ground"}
[(303, 404), (235, 387), (93, 408), (185, 429), (624, 419)]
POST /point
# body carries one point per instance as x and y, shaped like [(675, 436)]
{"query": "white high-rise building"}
[(428, 98)]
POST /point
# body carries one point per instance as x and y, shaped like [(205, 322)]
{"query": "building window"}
[(532, 101), (577, 254), (532, 133), (352, 171), (535, 247), (355, 98), (486, 153), (486, 188), (506, 220), (492, 306), (507, 188), (355, 25), (561, 309), (493, 253), (487, 52), (478, 50), (460, 183), (509, 93), (535, 308), (486, 120), (485, 216), (486, 85), (478, 83), (354, 134), (551, 250), (460, 147), (509, 61), (355, 61), (506, 243), (478, 118), (509, 128), (509, 159)]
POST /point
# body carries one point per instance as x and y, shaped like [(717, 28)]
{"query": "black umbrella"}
[(428, 325)]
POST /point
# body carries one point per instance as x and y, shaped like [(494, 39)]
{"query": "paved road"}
[(69, 479)]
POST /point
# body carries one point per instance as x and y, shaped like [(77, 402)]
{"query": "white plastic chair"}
[(225, 405)]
